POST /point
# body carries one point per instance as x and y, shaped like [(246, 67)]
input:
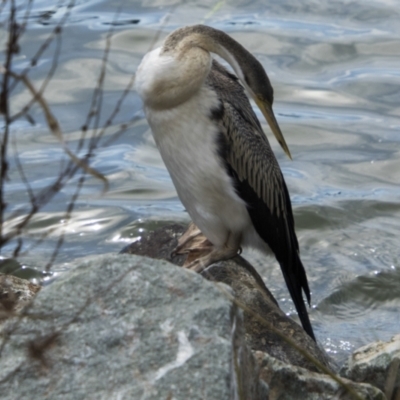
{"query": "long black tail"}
[(296, 281)]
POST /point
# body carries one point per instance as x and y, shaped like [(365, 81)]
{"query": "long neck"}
[(171, 75), (218, 42)]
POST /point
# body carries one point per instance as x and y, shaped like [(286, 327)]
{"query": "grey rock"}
[(262, 315), (267, 326), (128, 327), (15, 293), (159, 244), (288, 382), (377, 363)]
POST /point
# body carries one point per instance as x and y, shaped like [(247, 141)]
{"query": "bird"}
[(217, 154)]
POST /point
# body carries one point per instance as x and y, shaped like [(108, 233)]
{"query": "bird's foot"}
[(186, 241), (217, 254), (196, 266), (201, 252)]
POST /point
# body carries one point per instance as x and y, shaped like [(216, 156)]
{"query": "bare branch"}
[(12, 47), (55, 129)]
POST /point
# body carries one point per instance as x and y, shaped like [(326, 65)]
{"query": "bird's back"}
[(258, 180)]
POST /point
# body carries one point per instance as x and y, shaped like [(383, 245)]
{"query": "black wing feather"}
[(258, 180)]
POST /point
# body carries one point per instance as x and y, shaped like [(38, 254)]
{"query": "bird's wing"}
[(248, 157)]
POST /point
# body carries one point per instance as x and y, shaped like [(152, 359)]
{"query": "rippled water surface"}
[(335, 70)]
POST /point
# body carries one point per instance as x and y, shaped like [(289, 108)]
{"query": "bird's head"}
[(257, 83), (249, 70)]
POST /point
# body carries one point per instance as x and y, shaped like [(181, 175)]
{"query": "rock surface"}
[(262, 315), (377, 363), (290, 382), (15, 293), (131, 328), (137, 328), (289, 374)]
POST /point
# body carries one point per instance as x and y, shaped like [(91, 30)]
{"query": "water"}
[(334, 68)]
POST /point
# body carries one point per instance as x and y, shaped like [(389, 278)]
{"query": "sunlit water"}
[(335, 70)]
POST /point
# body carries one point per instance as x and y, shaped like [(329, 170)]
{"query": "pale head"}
[(165, 81)]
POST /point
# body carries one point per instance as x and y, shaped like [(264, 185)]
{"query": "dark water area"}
[(335, 71)]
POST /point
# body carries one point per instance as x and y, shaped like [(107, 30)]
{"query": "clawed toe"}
[(177, 251), (196, 266)]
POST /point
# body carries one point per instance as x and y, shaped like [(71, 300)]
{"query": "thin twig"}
[(56, 130), (21, 171), (4, 108), (67, 217), (25, 109), (46, 43)]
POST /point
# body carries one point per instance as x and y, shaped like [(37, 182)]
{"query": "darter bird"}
[(216, 152)]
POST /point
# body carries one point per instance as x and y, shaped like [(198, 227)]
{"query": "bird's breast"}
[(187, 139), (165, 80)]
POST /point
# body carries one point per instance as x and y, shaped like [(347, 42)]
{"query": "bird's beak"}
[(266, 109)]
